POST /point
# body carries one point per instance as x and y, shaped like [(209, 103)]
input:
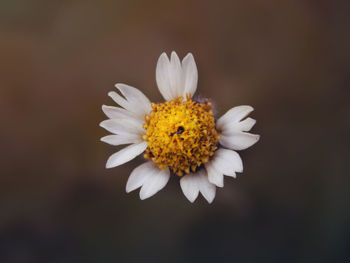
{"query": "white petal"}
[(223, 166), (119, 113), (138, 102), (139, 175), (238, 141), (225, 162), (234, 115), (192, 184), (190, 187), (229, 157), (214, 176), (135, 101), (190, 73), (233, 130), (154, 183), (126, 154), (247, 124), (175, 76), (162, 77), (125, 127), (237, 127), (121, 139), (231, 175), (176, 79), (119, 100), (207, 189)]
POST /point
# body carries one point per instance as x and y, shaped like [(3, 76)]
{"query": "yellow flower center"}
[(180, 134)]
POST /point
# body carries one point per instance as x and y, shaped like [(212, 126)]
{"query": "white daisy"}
[(179, 136)]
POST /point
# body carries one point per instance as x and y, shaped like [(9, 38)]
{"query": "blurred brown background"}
[(288, 59)]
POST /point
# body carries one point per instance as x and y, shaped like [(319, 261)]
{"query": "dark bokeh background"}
[(289, 59)]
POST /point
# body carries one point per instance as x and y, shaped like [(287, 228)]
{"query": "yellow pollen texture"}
[(180, 135)]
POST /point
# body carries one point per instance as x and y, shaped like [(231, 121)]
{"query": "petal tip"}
[(111, 94), (163, 56), (210, 201), (189, 55), (108, 165), (143, 196), (127, 189), (191, 199), (120, 86), (102, 124)]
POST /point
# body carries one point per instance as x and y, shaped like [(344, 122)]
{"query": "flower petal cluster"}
[(177, 82)]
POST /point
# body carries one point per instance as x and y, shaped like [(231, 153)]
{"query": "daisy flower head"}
[(177, 137)]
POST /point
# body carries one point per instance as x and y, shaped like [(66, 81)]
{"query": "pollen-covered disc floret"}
[(180, 134)]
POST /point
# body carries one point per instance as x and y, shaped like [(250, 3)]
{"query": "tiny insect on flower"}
[(179, 136)]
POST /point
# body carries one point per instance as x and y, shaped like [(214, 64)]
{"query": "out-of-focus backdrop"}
[(288, 59)]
